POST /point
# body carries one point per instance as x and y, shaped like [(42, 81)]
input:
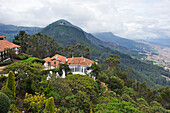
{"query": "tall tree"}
[(42, 46), (95, 70), (22, 39), (38, 45), (112, 62), (70, 50), (82, 50), (11, 83)]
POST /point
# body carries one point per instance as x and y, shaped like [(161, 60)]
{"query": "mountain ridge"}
[(11, 30), (131, 44)]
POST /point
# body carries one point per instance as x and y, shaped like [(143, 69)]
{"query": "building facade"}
[(78, 65), (5, 47)]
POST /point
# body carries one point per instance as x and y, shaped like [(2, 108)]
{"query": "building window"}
[(77, 69), (72, 69)]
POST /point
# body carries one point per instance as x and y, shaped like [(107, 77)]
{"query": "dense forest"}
[(27, 89)]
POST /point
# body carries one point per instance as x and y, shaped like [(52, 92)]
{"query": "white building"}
[(5, 46), (78, 65)]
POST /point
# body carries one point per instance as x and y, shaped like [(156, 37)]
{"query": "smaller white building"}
[(78, 65)]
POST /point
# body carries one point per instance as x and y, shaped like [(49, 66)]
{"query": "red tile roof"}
[(71, 61), (79, 61), (51, 60), (5, 44), (55, 65), (59, 58), (48, 59), (2, 36)]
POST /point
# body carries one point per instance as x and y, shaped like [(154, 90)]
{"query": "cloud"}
[(133, 19)]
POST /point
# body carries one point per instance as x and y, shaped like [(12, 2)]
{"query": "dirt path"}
[(2, 67)]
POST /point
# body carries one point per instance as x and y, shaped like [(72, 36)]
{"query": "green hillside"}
[(68, 34)]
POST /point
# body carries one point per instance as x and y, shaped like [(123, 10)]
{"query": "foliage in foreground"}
[(80, 93), (4, 103)]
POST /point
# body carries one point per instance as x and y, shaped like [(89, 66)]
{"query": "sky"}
[(133, 19)]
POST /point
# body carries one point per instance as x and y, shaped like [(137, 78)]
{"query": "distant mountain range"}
[(110, 37), (10, 30), (66, 33)]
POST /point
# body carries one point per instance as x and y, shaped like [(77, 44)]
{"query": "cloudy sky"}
[(134, 19)]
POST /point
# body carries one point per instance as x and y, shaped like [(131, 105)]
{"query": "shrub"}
[(34, 103), (4, 103), (2, 80), (7, 91), (142, 101), (14, 109), (11, 82), (33, 59), (5, 63), (126, 98), (155, 103), (115, 84), (22, 56), (49, 106)]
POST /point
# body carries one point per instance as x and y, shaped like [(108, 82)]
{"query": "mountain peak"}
[(63, 22)]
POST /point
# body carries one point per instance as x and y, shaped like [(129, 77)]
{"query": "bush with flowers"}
[(34, 103)]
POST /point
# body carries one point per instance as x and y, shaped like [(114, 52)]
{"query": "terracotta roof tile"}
[(5, 44), (79, 61), (47, 59), (53, 63), (2, 36), (53, 60), (71, 61), (59, 58)]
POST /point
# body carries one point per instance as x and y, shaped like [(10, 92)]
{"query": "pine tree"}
[(11, 82), (49, 106)]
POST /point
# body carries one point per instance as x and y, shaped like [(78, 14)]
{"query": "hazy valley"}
[(162, 58)]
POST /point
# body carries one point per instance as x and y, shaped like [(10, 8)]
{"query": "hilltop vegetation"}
[(80, 93)]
